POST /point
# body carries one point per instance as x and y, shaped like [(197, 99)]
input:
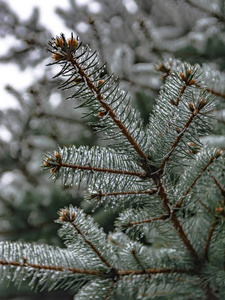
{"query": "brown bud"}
[(192, 81), (182, 76), (173, 103), (57, 56), (65, 216), (219, 152), (72, 43), (59, 42), (47, 162), (189, 71), (202, 103), (219, 209), (53, 171), (177, 130), (191, 144), (101, 114), (101, 81), (191, 106), (58, 156), (78, 80)]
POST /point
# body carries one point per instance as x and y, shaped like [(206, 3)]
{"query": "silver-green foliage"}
[(168, 241)]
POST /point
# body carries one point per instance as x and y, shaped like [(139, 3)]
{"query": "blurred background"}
[(133, 37)]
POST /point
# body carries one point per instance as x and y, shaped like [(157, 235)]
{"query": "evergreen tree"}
[(169, 239), (189, 30)]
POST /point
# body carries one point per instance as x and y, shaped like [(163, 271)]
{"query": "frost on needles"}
[(171, 182)]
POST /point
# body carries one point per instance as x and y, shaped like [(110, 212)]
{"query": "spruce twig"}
[(176, 223), (56, 165), (109, 290), (66, 217), (26, 264), (179, 203), (68, 56), (162, 217), (208, 238)]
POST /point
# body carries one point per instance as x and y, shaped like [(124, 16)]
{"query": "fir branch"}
[(109, 290), (211, 91), (133, 252), (66, 216), (130, 224), (26, 264), (205, 206), (222, 190), (166, 70), (209, 237), (56, 165), (187, 81), (67, 55), (108, 110), (211, 160), (176, 223), (100, 195), (155, 271), (194, 113)]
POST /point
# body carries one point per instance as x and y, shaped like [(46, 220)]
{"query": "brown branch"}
[(205, 206), (154, 271), (93, 272), (208, 292), (162, 217), (211, 91), (115, 242), (48, 267), (101, 195), (178, 205), (98, 253), (176, 223), (179, 136), (109, 290), (56, 164), (137, 259), (209, 237), (167, 71), (222, 190), (95, 91), (104, 170)]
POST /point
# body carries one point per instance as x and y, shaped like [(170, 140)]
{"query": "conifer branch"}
[(26, 264), (208, 238), (100, 195), (187, 81), (66, 54), (155, 271), (167, 71), (102, 258), (66, 217), (205, 206), (194, 113), (130, 224), (211, 91), (133, 252), (176, 223), (56, 165), (179, 203), (115, 242), (109, 290), (208, 292), (222, 190)]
